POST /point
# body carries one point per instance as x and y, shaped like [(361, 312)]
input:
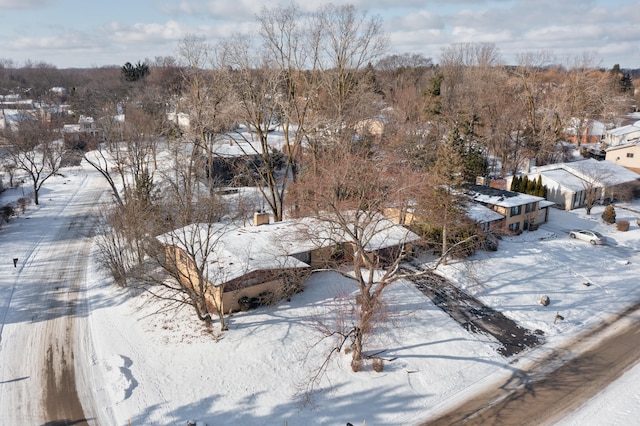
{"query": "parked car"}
[(592, 236)]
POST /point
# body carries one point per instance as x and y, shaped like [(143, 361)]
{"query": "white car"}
[(592, 236)]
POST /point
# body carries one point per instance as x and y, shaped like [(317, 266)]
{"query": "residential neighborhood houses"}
[(228, 188)]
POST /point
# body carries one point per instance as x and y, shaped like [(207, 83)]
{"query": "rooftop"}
[(500, 197), (232, 251)]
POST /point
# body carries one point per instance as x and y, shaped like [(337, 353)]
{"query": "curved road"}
[(42, 305), (550, 389)]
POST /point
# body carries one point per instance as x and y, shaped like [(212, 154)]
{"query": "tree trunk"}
[(36, 199), (357, 347), (366, 312)]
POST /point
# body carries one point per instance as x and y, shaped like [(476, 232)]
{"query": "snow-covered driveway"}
[(42, 303)]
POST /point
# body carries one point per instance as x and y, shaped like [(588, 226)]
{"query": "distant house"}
[(13, 110), (622, 135), (591, 132), (568, 184), (249, 262), (82, 135), (521, 212), (233, 161)]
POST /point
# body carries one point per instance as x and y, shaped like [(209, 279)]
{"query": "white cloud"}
[(129, 34), (66, 41), (417, 26), (415, 21), (22, 4)]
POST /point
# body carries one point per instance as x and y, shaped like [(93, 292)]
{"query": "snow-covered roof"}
[(10, 118), (71, 128), (628, 144), (624, 130), (481, 214), (560, 178), (231, 148), (603, 172), (232, 251), (501, 197)]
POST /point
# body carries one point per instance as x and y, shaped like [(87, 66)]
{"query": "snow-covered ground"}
[(151, 365)]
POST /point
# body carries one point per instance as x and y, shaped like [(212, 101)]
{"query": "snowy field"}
[(151, 365)]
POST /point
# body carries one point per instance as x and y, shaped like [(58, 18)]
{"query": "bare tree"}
[(348, 194), (100, 161), (595, 179), (188, 259), (35, 149), (257, 85), (206, 98), (350, 42)]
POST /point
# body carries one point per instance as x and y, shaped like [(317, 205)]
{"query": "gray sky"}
[(75, 33)]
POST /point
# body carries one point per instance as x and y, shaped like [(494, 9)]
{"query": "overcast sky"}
[(81, 33)]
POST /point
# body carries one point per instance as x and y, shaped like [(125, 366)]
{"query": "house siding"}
[(628, 157)]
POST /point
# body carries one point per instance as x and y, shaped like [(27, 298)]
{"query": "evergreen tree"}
[(609, 214), (433, 100), (475, 164), (135, 73), (539, 187), (524, 183), (450, 164), (515, 184), (531, 187)]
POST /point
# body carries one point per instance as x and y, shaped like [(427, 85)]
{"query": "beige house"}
[(626, 155), (521, 212), (266, 260)]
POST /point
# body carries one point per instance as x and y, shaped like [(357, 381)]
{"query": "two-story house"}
[(521, 212)]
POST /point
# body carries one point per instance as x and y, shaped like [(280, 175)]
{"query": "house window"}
[(183, 258), (514, 226), (516, 210), (530, 207), (629, 154)]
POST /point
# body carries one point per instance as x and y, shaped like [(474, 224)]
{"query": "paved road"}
[(541, 395), (43, 307)]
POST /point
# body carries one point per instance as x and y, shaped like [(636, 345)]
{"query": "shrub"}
[(356, 365), (378, 365), (623, 225), (609, 214), (7, 211)]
